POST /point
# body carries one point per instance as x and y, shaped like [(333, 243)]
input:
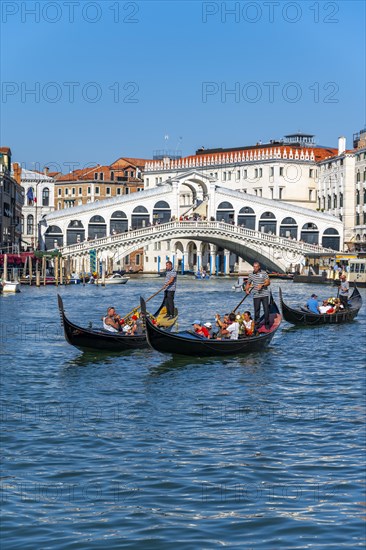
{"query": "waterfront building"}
[(87, 185), (283, 170), (11, 202), (39, 200), (359, 243), (342, 189), (99, 183)]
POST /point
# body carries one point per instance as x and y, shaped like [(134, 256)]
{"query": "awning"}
[(17, 259)]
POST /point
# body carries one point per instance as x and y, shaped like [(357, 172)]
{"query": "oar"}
[(241, 301), (147, 300)]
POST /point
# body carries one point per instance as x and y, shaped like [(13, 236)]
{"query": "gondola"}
[(305, 318), (189, 343), (102, 340)]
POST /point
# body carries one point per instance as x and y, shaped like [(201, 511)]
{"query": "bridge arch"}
[(118, 222), (246, 217), (97, 228), (197, 185), (268, 223), (75, 232), (140, 217)]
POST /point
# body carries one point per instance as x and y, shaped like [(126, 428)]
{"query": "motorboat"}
[(10, 286), (116, 279)]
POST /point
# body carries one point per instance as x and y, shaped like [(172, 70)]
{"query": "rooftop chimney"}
[(46, 170), (341, 145)]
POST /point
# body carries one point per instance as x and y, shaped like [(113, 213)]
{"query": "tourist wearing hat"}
[(312, 304), (344, 290), (209, 327), (200, 329)]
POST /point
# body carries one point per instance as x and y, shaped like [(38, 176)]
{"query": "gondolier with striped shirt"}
[(170, 286), (259, 282)]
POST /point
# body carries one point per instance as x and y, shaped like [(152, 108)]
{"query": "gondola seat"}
[(274, 321)]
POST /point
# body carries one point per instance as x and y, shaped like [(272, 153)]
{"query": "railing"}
[(188, 226)]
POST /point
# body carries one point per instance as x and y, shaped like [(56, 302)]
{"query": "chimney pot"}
[(341, 145)]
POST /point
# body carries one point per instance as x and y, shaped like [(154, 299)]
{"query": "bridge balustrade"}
[(184, 225)]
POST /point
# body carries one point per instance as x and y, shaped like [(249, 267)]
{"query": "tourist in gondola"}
[(312, 304), (170, 285), (232, 329), (221, 324), (248, 323), (111, 321), (259, 282), (200, 329), (209, 327), (325, 307), (344, 290)]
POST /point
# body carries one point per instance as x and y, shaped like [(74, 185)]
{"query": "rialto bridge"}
[(217, 222)]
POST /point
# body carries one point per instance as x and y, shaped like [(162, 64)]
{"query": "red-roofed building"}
[(94, 183)]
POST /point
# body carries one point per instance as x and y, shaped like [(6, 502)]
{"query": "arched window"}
[(246, 217), (288, 228), (97, 228), (46, 197), (310, 233), (162, 212), (140, 217), (75, 232), (225, 212), (267, 223), (331, 238), (118, 223), (30, 224)]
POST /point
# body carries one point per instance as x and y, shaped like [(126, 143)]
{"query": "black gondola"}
[(306, 318), (189, 343), (102, 340)]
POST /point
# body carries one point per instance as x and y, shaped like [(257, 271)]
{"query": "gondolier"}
[(259, 282), (170, 285)]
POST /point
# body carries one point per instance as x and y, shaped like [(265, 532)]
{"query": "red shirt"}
[(203, 331)]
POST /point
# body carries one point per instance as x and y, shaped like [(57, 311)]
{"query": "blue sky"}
[(113, 79)]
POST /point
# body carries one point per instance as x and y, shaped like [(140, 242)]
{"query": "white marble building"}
[(39, 200), (342, 191)]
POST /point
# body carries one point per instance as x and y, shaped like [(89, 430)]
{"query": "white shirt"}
[(108, 327), (234, 330), (324, 309)]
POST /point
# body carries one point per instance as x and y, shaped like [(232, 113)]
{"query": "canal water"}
[(146, 451)]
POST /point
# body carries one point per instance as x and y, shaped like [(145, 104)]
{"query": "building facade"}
[(97, 183), (285, 170), (39, 200), (342, 190), (11, 202), (360, 184)]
